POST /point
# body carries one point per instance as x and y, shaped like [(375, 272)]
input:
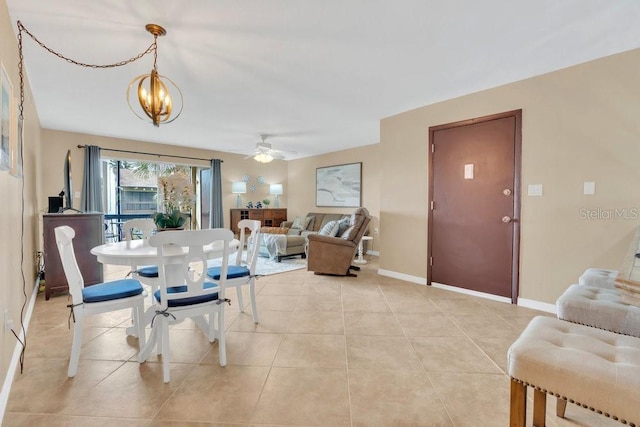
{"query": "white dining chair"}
[(243, 272), (142, 228), (95, 299), (190, 296)]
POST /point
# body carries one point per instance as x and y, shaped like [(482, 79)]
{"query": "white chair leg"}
[(166, 368), (78, 330), (222, 349), (138, 320), (240, 301), (254, 306), (145, 351)]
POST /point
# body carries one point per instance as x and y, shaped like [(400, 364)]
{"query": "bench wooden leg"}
[(539, 408), (561, 405), (518, 409)]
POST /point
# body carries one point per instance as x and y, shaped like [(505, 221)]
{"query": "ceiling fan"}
[(263, 152)]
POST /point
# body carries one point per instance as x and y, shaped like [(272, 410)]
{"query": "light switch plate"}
[(468, 171), (534, 190), (589, 188)]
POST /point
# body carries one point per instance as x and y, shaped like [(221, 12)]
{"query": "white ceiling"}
[(317, 75)]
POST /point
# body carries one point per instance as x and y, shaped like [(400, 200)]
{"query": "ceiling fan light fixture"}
[(263, 157), (153, 100)]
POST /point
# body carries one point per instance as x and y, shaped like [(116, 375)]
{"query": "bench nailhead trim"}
[(572, 401), (584, 324)]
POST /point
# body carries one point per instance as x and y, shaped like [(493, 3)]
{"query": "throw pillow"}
[(274, 230), (328, 228), (347, 233), (343, 224), (298, 222), (311, 223), (301, 222)]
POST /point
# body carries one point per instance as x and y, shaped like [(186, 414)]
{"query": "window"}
[(130, 190)]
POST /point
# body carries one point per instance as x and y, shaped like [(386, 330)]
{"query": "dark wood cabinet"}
[(89, 228), (267, 217)]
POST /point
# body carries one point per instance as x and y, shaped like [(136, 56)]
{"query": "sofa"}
[(291, 238), (316, 222), (276, 244)]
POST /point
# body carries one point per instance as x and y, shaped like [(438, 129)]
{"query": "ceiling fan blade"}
[(286, 151), (277, 155)]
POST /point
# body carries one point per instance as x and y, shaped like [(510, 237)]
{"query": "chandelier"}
[(154, 99)]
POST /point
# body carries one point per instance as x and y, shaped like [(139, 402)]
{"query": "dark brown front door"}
[(475, 195)]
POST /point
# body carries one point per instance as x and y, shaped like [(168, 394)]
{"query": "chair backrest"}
[(359, 223), (143, 227), (192, 265), (252, 242), (64, 240)]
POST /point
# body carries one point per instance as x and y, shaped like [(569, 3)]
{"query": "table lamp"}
[(239, 188), (275, 190)]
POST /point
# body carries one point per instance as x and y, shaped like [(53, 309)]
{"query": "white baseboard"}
[(523, 302), (470, 292), (537, 305), (402, 276), (15, 360), (373, 253)]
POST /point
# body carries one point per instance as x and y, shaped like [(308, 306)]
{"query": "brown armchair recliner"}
[(333, 255)]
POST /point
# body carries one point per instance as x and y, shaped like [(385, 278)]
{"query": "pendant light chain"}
[(155, 52), (151, 48), (154, 29), (21, 28), (20, 74)]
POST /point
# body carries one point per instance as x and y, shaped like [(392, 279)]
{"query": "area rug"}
[(265, 266)]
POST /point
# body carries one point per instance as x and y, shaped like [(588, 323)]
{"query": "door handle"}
[(507, 219)]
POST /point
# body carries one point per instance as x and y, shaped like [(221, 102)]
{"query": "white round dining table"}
[(138, 252)]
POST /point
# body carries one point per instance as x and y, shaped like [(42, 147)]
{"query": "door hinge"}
[(433, 148), (431, 261), (432, 204)]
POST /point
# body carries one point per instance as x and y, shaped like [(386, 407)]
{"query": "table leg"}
[(360, 259)]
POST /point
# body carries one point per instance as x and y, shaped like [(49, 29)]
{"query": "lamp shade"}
[(275, 189), (239, 187)]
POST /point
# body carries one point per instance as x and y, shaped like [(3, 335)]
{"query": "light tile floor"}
[(330, 351)]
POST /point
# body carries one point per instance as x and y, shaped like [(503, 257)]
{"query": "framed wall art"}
[(339, 186), (6, 101)]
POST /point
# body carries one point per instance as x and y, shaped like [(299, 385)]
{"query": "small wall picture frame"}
[(6, 117)]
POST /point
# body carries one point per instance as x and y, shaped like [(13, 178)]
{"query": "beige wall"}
[(18, 220), (579, 124), (234, 166), (302, 184)]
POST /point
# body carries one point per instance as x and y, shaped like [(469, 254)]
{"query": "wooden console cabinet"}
[(89, 228), (267, 217)]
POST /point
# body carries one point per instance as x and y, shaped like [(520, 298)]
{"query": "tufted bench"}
[(598, 277), (590, 367), (600, 308)]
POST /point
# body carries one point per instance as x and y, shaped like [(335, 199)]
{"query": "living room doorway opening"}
[(474, 195)]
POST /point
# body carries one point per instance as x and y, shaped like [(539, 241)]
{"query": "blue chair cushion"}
[(111, 290), (181, 302), (151, 271), (233, 272)]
